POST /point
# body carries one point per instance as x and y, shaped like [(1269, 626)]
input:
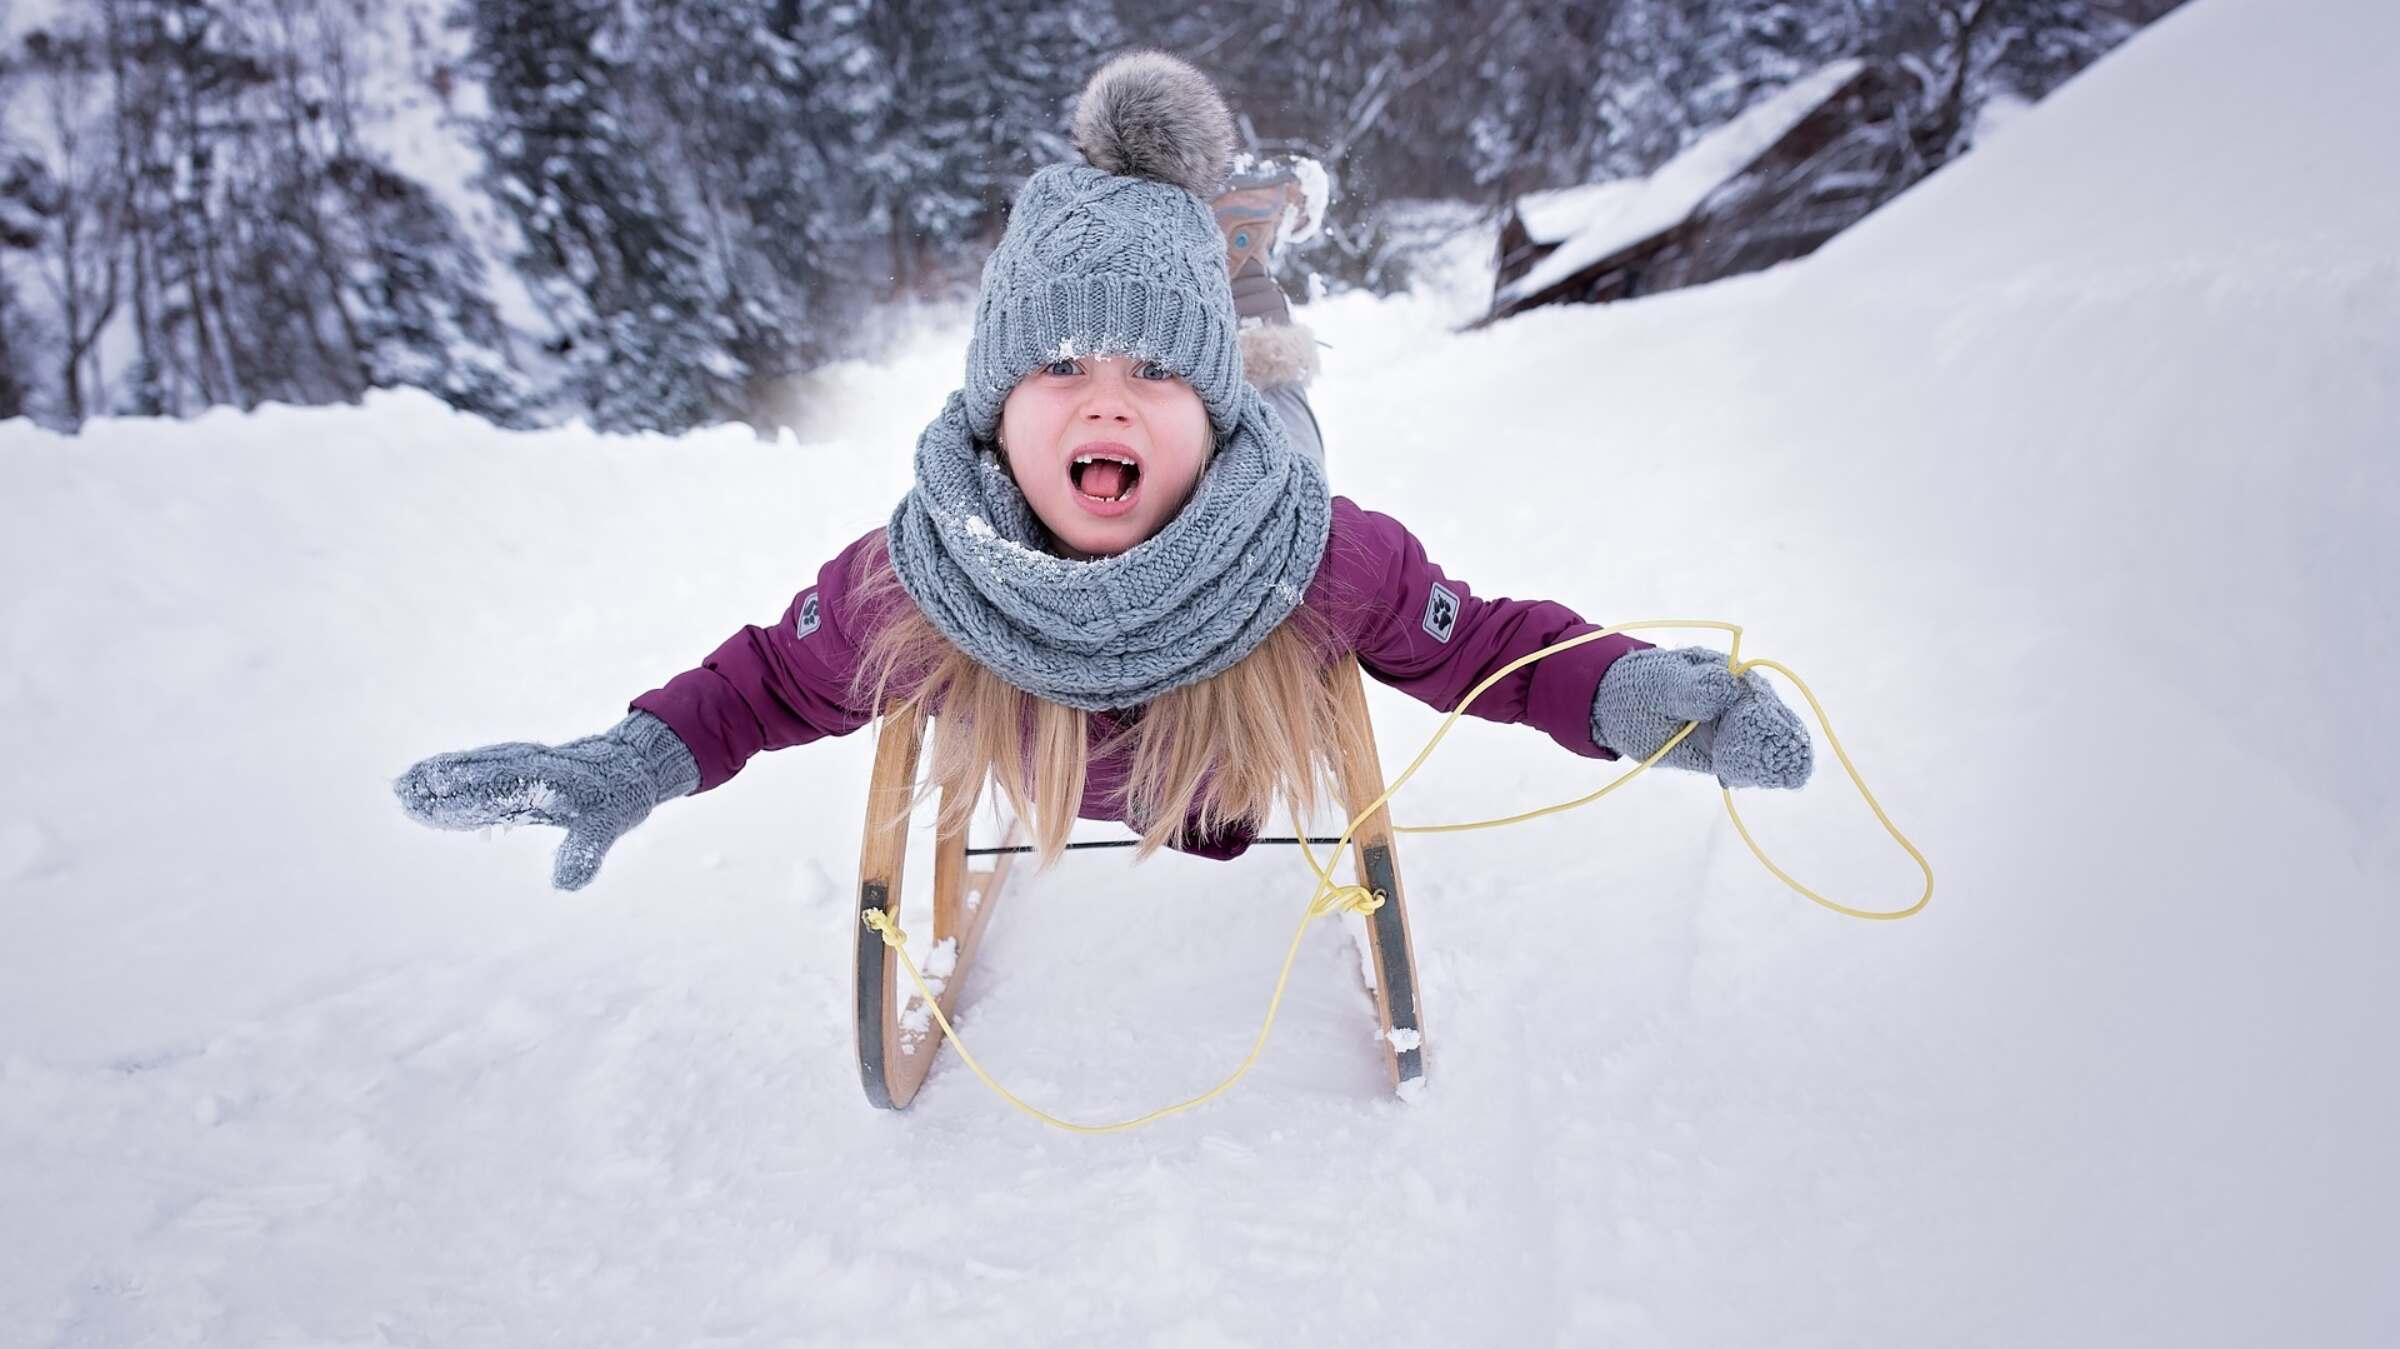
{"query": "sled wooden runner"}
[(893, 1056), (1379, 871)]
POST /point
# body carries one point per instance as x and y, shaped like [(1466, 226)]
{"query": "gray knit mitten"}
[(1746, 736), (596, 788)]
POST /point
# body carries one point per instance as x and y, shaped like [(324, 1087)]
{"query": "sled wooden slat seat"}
[(895, 1051)]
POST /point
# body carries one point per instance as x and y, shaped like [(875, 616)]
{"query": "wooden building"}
[(1773, 184)]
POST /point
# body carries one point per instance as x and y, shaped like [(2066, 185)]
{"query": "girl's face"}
[(1106, 449)]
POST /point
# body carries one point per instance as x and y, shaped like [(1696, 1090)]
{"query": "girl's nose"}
[(1107, 404), (1106, 398)]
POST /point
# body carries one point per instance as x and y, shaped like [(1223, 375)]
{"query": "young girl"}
[(1119, 582)]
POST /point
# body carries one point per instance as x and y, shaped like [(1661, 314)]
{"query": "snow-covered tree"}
[(425, 319), (975, 98), (642, 333), (1955, 54), (77, 247)]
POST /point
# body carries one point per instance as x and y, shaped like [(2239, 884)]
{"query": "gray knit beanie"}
[(1118, 256)]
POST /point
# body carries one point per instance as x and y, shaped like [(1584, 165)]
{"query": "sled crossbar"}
[(1286, 840)]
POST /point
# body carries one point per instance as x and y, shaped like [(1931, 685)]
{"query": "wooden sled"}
[(895, 1051)]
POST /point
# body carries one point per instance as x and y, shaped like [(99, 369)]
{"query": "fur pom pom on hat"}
[(1149, 115), (1120, 255)]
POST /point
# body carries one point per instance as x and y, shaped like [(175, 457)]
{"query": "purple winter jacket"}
[(1376, 594)]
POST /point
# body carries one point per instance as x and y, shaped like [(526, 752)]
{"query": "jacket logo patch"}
[(1441, 612), (808, 613)]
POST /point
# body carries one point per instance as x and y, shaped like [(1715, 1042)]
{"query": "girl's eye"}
[(1064, 365), (1152, 370)]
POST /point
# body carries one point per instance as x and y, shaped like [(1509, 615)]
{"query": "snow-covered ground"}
[(2067, 480)]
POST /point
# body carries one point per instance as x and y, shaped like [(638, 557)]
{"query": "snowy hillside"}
[(2066, 480)]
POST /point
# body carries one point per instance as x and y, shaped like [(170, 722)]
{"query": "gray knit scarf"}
[(1113, 632)]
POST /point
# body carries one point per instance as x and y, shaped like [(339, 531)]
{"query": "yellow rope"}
[(1331, 898)]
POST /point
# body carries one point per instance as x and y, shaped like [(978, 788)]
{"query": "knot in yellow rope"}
[(883, 922), (1335, 899)]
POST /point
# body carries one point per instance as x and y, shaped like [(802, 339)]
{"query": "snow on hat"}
[(1119, 255)]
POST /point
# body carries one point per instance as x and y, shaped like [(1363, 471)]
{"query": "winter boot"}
[(1265, 205)]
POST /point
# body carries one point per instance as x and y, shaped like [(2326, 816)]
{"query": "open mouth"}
[(1106, 478)]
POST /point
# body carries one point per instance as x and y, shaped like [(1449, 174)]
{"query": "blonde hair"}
[(1224, 750)]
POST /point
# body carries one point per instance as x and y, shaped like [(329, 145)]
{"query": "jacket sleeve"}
[(773, 687), (1430, 636)]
